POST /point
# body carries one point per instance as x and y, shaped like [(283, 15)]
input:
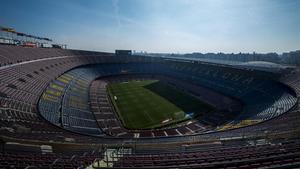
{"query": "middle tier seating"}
[(66, 102)]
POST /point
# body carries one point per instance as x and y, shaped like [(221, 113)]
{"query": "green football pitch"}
[(151, 104)]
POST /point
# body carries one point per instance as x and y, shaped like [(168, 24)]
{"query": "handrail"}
[(54, 162), (72, 158), (31, 167), (96, 160)]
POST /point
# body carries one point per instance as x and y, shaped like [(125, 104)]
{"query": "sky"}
[(169, 26)]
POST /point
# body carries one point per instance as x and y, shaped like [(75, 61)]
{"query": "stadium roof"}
[(262, 65), (255, 65)]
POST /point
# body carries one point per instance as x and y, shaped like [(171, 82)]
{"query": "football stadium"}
[(70, 108)]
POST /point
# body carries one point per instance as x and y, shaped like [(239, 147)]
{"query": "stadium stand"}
[(284, 155), (65, 102), (103, 110), (58, 97), (272, 101)]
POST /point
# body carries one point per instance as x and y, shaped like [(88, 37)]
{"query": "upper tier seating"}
[(12, 54)]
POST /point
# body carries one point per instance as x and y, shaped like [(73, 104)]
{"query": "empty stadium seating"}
[(57, 97), (261, 102), (269, 155), (65, 102)]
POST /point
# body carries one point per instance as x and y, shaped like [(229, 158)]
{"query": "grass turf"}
[(146, 104)]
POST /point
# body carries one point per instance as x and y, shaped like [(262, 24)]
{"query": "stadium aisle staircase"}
[(111, 156)]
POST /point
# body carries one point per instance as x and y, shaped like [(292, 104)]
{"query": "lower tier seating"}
[(283, 155)]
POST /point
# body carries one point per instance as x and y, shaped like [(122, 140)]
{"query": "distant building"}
[(292, 58), (123, 52)]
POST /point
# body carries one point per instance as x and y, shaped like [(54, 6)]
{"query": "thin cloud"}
[(115, 4)]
